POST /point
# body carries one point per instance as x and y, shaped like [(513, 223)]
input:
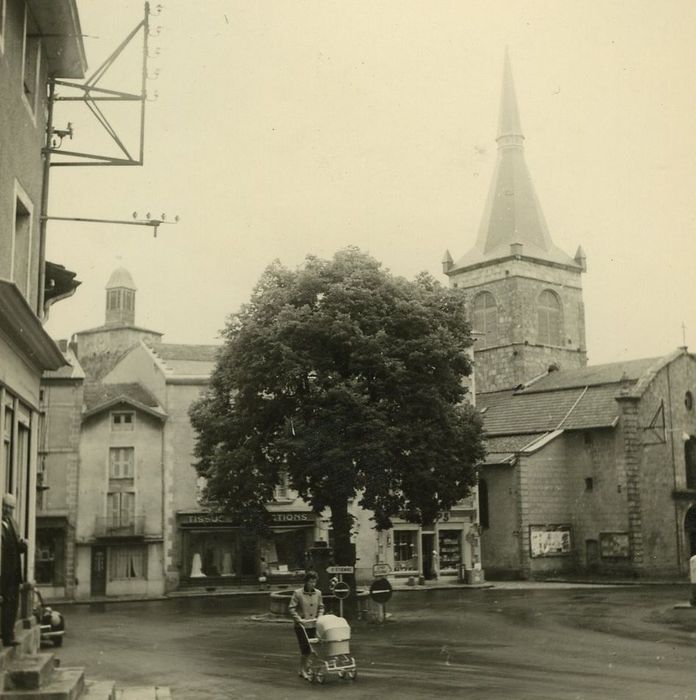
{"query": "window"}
[(120, 509), (121, 461), (128, 300), (550, 321), (32, 61), (589, 483), (3, 12), (485, 318), (122, 420), (282, 489), (689, 401), (113, 299), (21, 241), (8, 437), (450, 545), (49, 559), (405, 552), (126, 563), (690, 462)]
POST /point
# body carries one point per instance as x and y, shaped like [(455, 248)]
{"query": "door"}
[(592, 554), (98, 571), (248, 555), (427, 546), (690, 528)]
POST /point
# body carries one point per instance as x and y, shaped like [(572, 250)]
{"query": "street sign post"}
[(381, 591), (381, 570), (339, 570)]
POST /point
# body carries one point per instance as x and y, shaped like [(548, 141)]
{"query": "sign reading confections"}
[(297, 517)]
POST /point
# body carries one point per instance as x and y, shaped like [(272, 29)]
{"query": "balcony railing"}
[(120, 527)]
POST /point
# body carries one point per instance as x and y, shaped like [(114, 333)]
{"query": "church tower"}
[(120, 298), (524, 293)]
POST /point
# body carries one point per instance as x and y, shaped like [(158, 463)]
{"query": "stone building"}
[(38, 42), (589, 468)]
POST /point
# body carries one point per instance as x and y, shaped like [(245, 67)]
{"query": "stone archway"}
[(690, 528)]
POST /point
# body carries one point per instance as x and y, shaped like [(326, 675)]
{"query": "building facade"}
[(38, 41), (590, 468)]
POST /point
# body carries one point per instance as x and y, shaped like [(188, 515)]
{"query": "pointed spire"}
[(509, 128), (447, 261)]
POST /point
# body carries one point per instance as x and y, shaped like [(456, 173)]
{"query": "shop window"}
[(49, 560), (120, 509), (211, 554), (485, 318), (121, 462), (405, 551), (550, 318), (127, 563), (484, 517), (285, 552), (450, 542), (690, 462), (122, 420)]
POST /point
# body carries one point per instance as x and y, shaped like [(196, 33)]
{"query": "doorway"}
[(592, 554), (427, 546), (690, 528), (98, 571)]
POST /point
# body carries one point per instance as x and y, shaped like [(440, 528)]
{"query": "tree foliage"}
[(350, 380)]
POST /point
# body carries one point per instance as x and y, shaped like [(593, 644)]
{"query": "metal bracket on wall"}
[(655, 433)]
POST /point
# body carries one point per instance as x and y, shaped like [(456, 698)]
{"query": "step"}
[(99, 690), (144, 693), (29, 671), (65, 684)]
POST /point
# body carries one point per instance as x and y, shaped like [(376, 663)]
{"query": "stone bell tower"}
[(524, 293)]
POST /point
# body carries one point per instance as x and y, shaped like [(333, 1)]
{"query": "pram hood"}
[(332, 627)]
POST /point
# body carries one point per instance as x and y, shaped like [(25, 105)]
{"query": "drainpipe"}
[(44, 200)]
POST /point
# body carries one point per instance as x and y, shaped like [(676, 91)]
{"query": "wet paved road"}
[(495, 644)]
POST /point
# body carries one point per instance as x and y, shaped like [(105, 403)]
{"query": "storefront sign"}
[(207, 519), (549, 540), (292, 517), (381, 570)]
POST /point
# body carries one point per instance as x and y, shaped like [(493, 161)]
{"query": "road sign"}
[(381, 570), (341, 590), (381, 590), (339, 569)]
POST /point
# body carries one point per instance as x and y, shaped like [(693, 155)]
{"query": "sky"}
[(281, 128)]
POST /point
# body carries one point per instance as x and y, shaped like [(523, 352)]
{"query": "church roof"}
[(186, 360), (120, 277), (513, 222), (98, 397)]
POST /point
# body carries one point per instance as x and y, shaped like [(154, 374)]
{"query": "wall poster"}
[(549, 540)]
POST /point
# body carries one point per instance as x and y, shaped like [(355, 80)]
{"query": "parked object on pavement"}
[(51, 622)]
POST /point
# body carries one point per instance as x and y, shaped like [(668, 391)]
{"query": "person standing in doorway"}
[(13, 546), (306, 603)]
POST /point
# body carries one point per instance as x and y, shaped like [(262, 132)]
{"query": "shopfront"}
[(442, 550), (217, 550)]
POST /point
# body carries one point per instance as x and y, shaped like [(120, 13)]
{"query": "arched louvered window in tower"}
[(550, 319), (485, 318)]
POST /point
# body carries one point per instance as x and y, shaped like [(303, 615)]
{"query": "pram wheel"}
[(352, 675), (319, 676)]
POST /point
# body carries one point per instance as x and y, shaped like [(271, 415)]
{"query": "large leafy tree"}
[(350, 380)]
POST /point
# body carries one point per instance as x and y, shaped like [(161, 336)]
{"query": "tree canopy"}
[(349, 380)]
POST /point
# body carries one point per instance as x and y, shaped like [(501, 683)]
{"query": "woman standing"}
[(306, 603)]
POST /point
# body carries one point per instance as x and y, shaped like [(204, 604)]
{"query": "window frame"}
[(21, 198), (125, 426), (490, 337), (129, 450), (31, 42), (125, 553), (545, 317)]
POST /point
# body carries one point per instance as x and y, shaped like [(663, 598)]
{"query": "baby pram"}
[(333, 641)]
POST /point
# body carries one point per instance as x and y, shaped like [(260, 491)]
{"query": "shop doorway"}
[(427, 546), (247, 558), (98, 571), (690, 528)]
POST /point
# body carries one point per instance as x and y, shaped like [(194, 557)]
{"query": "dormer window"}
[(282, 489), (122, 420)]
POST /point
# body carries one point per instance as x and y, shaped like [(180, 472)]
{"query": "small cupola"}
[(120, 299)]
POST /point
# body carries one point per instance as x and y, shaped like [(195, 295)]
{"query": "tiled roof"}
[(97, 394), (186, 360), (502, 449), (593, 375), (72, 370), (510, 413)]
